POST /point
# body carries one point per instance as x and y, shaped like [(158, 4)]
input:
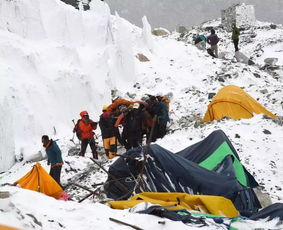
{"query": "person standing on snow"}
[(235, 37), (108, 133), (84, 129), (54, 157), (164, 117), (213, 40)]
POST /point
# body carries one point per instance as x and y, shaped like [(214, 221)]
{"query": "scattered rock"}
[(272, 26), (271, 61), (264, 91), (256, 75), (34, 219), (211, 95), (278, 120), (4, 195), (265, 131), (237, 135), (142, 58)]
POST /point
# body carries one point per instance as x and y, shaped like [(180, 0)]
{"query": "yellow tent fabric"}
[(215, 205), (39, 180), (232, 101)]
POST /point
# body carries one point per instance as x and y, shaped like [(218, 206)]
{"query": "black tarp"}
[(272, 211), (168, 172)]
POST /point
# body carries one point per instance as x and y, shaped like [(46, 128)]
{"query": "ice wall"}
[(7, 145), (56, 61)]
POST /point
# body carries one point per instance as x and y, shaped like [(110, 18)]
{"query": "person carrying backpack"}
[(213, 40), (84, 130), (235, 37), (108, 132)]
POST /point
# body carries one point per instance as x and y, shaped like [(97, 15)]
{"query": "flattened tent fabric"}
[(215, 205), (272, 211), (217, 153), (232, 101), (167, 172), (37, 179)]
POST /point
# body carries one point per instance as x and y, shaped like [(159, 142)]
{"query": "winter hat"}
[(83, 113), (105, 107)]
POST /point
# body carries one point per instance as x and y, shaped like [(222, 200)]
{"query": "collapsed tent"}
[(232, 101), (215, 205), (217, 153), (37, 179), (164, 171)]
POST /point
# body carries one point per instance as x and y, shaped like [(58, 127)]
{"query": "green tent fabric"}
[(217, 153)]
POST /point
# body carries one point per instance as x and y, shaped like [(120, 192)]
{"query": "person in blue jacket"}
[(54, 157)]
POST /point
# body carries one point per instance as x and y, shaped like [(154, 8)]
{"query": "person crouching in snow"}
[(54, 157), (108, 133), (84, 129)]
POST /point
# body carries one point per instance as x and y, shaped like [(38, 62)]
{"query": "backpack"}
[(77, 130)]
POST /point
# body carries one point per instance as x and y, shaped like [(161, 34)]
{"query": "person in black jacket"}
[(156, 108), (108, 132), (54, 157), (133, 123)]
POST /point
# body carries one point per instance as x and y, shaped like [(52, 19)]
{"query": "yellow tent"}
[(215, 205), (232, 101), (37, 179)]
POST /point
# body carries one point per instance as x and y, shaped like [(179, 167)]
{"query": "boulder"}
[(160, 32), (4, 194), (182, 30), (240, 57), (270, 61), (142, 57)]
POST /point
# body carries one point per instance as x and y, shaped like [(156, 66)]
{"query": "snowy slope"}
[(56, 61)]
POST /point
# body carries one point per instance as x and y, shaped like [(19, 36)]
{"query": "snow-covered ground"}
[(56, 61)]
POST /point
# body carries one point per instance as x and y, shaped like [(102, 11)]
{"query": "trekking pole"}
[(109, 174), (147, 151), (72, 139), (124, 223)]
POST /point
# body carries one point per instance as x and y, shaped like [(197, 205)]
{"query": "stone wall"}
[(241, 14)]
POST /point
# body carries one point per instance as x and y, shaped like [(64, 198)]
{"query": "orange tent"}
[(5, 227), (37, 179), (232, 101)]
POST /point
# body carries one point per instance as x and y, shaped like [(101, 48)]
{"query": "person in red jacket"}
[(84, 129)]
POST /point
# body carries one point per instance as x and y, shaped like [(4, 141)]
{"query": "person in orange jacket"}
[(84, 129)]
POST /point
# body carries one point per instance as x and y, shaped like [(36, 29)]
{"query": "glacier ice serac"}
[(54, 62)]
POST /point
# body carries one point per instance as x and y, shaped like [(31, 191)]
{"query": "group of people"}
[(135, 119), (213, 39)]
